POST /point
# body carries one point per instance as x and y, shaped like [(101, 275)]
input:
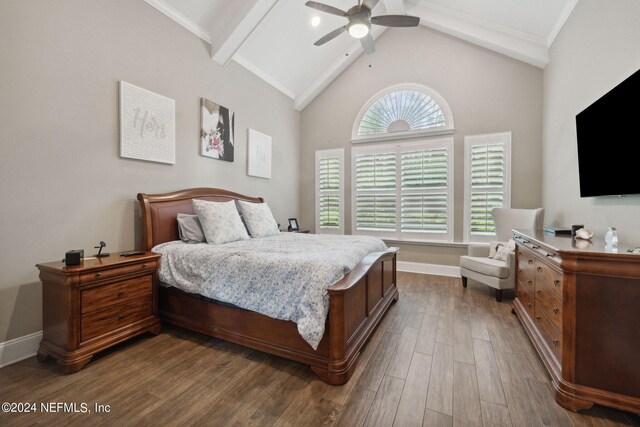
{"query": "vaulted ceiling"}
[(274, 38)]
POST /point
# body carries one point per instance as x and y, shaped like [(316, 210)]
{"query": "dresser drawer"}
[(526, 300), (105, 296), (546, 276), (525, 266), (549, 303), (549, 333), (100, 322), (116, 272)]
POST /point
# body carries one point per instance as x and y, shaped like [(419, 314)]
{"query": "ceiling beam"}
[(223, 52), (507, 41), (394, 7)]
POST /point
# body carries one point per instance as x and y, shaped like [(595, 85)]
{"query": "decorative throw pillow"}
[(189, 229), (221, 222), (258, 219), (502, 249)]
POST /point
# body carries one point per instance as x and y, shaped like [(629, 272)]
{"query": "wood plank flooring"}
[(442, 356)]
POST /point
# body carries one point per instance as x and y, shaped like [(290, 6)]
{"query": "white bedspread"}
[(285, 276)]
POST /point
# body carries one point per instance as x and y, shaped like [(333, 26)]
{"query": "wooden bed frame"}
[(357, 302)]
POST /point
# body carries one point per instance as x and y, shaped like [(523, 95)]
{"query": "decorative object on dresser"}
[(92, 306), (579, 308), (498, 273), (357, 302)]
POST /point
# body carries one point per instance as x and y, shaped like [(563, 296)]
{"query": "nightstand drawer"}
[(100, 322), (105, 296), (116, 272)]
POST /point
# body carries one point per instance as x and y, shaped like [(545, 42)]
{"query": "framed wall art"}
[(259, 158), (216, 131), (147, 125)]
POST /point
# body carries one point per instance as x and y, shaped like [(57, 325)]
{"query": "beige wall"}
[(487, 92), (63, 184), (598, 47)]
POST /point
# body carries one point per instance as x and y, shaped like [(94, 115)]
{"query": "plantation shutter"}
[(487, 183), (329, 191), (375, 191), (424, 199)]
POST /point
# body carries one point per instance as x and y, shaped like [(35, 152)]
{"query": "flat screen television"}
[(609, 142)]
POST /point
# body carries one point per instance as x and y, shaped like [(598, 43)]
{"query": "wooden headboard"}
[(160, 211)]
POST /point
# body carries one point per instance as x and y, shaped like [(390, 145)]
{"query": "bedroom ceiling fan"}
[(360, 20)]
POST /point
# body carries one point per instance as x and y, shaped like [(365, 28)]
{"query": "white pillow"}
[(220, 221), (258, 219), (501, 250)]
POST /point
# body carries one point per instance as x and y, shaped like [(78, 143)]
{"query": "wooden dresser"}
[(580, 307), (101, 302)]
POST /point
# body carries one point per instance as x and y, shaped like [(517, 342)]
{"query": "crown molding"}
[(180, 19), (505, 40), (324, 78), (564, 15), (241, 60)]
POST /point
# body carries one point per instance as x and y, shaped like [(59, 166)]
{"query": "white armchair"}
[(493, 272)]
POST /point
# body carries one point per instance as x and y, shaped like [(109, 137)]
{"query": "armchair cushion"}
[(486, 266)]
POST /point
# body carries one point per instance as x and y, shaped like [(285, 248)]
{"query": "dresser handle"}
[(538, 292), (530, 261), (98, 274), (555, 343), (529, 305), (120, 294), (525, 241), (548, 254), (530, 282), (556, 282), (539, 269), (144, 265), (120, 317), (535, 247), (555, 310), (538, 317)]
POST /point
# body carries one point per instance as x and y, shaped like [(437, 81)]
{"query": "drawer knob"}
[(535, 247), (529, 305), (539, 269), (120, 294), (530, 261), (555, 343), (145, 265), (525, 241), (556, 282), (530, 282), (539, 292), (120, 317), (548, 254), (555, 310), (98, 274), (538, 317)]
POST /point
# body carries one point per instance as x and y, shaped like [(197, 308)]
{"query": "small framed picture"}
[(293, 224)]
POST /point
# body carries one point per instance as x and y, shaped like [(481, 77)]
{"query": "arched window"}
[(402, 111)]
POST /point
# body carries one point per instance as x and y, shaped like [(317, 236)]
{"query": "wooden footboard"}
[(356, 303)]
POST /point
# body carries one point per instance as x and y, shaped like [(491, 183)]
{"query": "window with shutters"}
[(330, 191), (404, 191), (487, 183), (402, 111)]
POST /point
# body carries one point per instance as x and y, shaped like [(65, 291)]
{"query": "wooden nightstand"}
[(302, 230), (89, 307)]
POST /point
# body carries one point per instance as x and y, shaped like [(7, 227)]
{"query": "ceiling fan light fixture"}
[(358, 28)]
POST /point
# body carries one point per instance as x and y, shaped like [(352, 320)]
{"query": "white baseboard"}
[(18, 349), (424, 268)]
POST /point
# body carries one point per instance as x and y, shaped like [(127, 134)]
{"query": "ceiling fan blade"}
[(325, 8), (370, 3), (396, 20), (367, 43), (332, 35)]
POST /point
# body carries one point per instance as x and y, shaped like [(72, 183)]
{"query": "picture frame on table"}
[(293, 224)]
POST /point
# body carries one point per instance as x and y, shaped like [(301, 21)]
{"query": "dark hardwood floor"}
[(443, 355)]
